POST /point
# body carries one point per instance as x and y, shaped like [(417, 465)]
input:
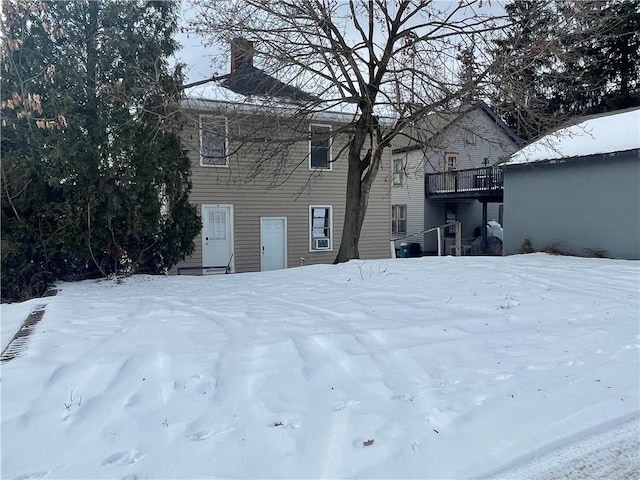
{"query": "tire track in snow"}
[(612, 454)]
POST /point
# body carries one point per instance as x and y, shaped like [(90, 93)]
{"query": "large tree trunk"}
[(355, 208), (360, 177)]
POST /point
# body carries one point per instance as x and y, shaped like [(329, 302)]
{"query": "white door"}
[(217, 237), (273, 243)]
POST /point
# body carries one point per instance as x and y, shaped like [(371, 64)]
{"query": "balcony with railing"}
[(484, 184)]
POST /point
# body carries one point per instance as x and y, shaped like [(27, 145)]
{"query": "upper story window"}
[(213, 141), (469, 137), (320, 147), (398, 171), (451, 162)]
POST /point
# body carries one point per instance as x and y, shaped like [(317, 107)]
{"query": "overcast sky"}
[(198, 59), (195, 56), (193, 53)]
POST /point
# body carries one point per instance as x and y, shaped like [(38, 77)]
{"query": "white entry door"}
[(217, 237), (273, 243)]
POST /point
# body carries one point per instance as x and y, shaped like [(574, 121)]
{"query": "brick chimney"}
[(241, 53)]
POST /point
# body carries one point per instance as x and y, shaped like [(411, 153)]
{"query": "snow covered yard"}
[(467, 367)]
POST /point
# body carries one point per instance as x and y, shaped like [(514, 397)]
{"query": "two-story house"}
[(444, 170), (269, 179)]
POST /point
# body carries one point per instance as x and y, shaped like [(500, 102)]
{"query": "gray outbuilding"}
[(577, 190)]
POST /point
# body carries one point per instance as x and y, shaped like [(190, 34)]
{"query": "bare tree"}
[(385, 64)]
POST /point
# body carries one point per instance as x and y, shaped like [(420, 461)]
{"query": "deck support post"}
[(484, 227), (458, 246)]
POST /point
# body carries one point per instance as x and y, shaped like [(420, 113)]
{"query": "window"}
[(398, 171), (213, 141), (320, 227), (320, 147), (451, 162), (470, 137), (398, 219)]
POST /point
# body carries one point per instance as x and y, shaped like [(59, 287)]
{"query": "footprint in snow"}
[(122, 458), (345, 404), (404, 396), (206, 434), (284, 425), (34, 475), (204, 384)]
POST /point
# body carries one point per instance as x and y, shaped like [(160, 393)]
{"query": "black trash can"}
[(414, 250), (408, 250)]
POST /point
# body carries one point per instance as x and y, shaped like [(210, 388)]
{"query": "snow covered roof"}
[(616, 132), (251, 86), (249, 89), (249, 80), (213, 97), (216, 95)]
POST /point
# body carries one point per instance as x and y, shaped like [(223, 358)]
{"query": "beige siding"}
[(253, 195)]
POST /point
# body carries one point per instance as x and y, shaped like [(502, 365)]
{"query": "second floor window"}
[(451, 162), (398, 167), (469, 137), (213, 141), (320, 147)]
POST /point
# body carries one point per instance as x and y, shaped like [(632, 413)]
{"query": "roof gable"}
[(437, 123)]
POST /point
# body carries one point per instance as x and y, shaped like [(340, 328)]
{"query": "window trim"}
[(329, 167), (395, 218), (226, 140), (449, 155), (310, 228)]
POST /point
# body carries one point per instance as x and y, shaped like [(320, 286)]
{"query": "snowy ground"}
[(451, 368)]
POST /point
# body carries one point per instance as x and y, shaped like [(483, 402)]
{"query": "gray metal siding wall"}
[(254, 198), (590, 203)]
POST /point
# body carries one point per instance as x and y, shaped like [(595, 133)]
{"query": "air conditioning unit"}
[(321, 244)]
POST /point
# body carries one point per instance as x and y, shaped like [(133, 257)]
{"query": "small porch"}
[(484, 184)]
